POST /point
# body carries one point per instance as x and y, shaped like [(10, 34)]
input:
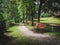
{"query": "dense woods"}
[(26, 11), (14, 11)]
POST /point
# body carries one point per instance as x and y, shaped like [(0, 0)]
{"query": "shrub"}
[(2, 25), (10, 23)]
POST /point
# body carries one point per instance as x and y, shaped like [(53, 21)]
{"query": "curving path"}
[(42, 38)]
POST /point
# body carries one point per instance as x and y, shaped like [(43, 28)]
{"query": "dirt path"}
[(39, 37)]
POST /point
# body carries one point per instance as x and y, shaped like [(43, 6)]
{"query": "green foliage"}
[(17, 10), (1, 17), (2, 27), (25, 7), (47, 14)]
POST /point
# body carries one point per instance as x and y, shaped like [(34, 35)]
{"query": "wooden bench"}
[(40, 27)]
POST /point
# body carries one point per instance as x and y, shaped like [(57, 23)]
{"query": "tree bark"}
[(23, 17), (39, 11), (26, 16), (31, 16)]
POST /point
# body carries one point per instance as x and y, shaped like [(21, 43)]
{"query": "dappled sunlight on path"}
[(27, 32)]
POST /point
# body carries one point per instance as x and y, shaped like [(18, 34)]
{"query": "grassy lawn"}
[(53, 33), (19, 38), (50, 20)]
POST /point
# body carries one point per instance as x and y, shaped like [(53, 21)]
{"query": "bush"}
[(10, 23), (2, 26)]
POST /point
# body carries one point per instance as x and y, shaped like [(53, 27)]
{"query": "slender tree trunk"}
[(31, 16), (39, 11), (26, 16), (29, 13), (23, 17)]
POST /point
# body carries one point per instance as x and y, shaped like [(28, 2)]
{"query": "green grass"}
[(19, 38), (14, 32), (30, 27), (50, 20), (53, 33)]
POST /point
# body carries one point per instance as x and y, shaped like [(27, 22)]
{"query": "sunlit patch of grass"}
[(30, 27), (50, 20), (14, 31)]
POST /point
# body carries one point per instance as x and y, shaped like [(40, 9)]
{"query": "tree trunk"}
[(31, 16), (39, 11), (26, 17), (23, 17)]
